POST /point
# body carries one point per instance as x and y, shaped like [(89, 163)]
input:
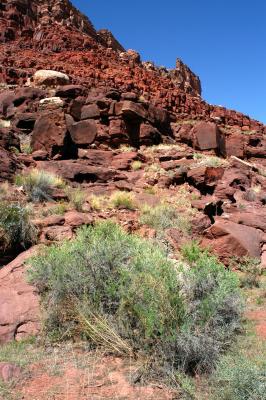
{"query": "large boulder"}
[(49, 78), (132, 110), (83, 133), (49, 132), (229, 239), (232, 145), (205, 136), (19, 311)]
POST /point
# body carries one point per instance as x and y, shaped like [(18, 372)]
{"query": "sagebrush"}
[(123, 292)]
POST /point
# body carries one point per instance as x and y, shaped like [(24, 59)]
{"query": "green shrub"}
[(165, 216), (123, 292), (239, 378), (104, 267), (39, 184), (122, 200), (213, 310), (17, 230)]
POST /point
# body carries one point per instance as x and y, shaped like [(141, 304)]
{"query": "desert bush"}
[(17, 230), (239, 378), (109, 266), (164, 216), (122, 199), (77, 197), (124, 293), (213, 310), (38, 184), (136, 165)]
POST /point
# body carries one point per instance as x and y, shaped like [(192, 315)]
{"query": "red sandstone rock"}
[(133, 110), (205, 136), (90, 111), (7, 165), (19, 311), (228, 239), (76, 219), (49, 133), (83, 133)]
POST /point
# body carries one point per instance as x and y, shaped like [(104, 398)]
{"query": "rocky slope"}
[(99, 98)]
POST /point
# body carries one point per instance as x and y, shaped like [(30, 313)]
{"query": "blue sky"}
[(222, 41)]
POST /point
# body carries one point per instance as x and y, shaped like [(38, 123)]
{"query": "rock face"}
[(229, 239), (19, 311), (29, 16)]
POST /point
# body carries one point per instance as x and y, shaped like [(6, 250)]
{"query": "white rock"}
[(5, 124), (49, 78), (56, 101)]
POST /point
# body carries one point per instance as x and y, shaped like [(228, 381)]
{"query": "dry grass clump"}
[(136, 165), (39, 184), (122, 199), (76, 197), (209, 161)]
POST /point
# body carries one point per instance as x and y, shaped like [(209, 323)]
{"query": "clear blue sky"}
[(222, 41)]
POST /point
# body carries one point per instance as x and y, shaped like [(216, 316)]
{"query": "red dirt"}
[(106, 378), (259, 317)]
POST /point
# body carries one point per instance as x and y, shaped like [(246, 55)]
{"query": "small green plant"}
[(39, 184), (239, 378), (122, 199), (164, 216), (15, 225), (136, 165), (58, 209), (77, 198)]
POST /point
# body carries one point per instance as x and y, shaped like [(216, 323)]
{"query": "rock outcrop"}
[(19, 311)]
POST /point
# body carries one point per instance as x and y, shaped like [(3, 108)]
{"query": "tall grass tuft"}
[(39, 184)]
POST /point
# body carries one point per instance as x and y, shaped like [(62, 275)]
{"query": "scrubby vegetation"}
[(124, 293), (76, 197), (16, 230), (251, 269), (38, 184), (239, 378), (164, 216), (122, 199)]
